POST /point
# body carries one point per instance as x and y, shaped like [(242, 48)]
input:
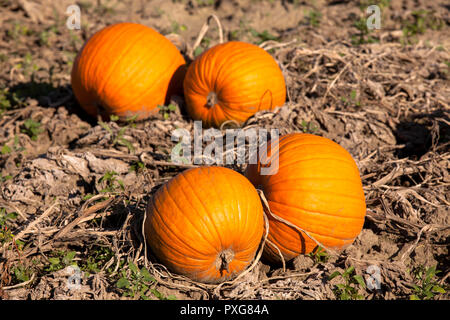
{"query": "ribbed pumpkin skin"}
[(126, 69), (317, 188), (244, 78), (200, 215)]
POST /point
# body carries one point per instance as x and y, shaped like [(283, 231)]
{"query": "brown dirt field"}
[(382, 94)]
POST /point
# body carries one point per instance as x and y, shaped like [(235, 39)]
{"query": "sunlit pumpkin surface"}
[(127, 69), (206, 223), (232, 81), (317, 188)]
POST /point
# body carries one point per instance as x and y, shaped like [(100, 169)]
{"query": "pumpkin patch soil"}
[(74, 190)]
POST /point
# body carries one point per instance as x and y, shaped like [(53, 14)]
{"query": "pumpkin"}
[(127, 70), (317, 192), (232, 81), (205, 223)]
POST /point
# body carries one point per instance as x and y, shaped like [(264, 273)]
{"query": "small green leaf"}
[(87, 197), (105, 126), (7, 177), (360, 280), (133, 267), (157, 294), (120, 182), (6, 149), (144, 288), (12, 215), (69, 257), (198, 51), (416, 287), (263, 36), (20, 244), (146, 275), (21, 273), (126, 143), (144, 297), (123, 283), (428, 287), (334, 275), (132, 118), (438, 289), (430, 273), (345, 296), (348, 271), (121, 131)]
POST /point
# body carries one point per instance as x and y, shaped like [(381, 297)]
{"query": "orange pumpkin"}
[(206, 223), (317, 188), (232, 81), (127, 69)]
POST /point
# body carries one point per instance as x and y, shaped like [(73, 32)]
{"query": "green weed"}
[(349, 289), (352, 99), (6, 235), (117, 138), (110, 182), (427, 286), (96, 259), (32, 128), (263, 36), (45, 35), (167, 110), (364, 34), (382, 4), (21, 273), (137, 167), (60, 260), (319, 255), (138, 283), (4, 178), (204, 45), (178, 28), (14, 147), (6, 149), (5, 103), (420, 22), (313, 18), (308, 127), (18, 31), (205, 2)]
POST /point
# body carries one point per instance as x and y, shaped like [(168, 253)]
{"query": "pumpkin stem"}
[(223, 260), (212, 99)]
